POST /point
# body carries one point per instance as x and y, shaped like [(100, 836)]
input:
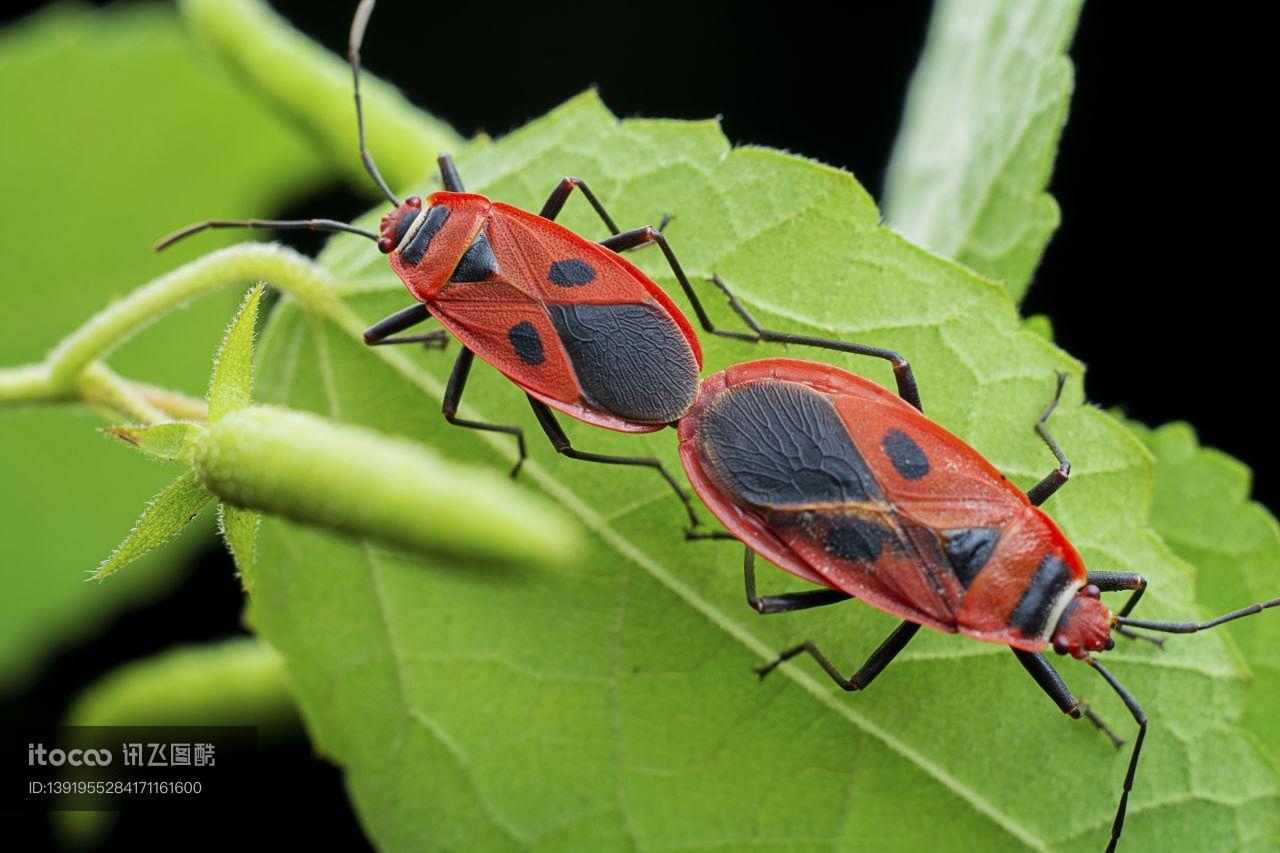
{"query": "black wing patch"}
[(968, 549), (632, 360), (478, 262), (856, 538), (776, 444)]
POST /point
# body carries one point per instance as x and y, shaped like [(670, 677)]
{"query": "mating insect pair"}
[(827, 475)]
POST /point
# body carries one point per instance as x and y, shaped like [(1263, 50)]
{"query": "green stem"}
[(73, 372), (284, 268), (102, 388), (175, 404), (26, 384)]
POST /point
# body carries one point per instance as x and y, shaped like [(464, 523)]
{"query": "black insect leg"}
[(556, 434), (710, 536), (875, 664), (905, 379), (786, 602), (453, 396), (902, 374), (555, 202), (1141, 719), (381, 332), (449, 174), (637, 237), (1052, 684), (1043, 490), (1119, 582)]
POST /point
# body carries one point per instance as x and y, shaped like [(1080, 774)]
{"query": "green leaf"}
[(239, 528), (312, 85), (167, 442), (1201, 508), (980, 133), (232, 383), (116, 132), (615, 706), (1040, 325), (165, 517)]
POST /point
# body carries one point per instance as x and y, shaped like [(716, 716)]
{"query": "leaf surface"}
[(614, 705), (1201, 507), (980, 133)]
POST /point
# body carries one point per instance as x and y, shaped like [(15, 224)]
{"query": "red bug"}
[(840, 482), (572, 323)]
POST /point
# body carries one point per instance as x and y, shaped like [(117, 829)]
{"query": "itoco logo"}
[(37, 754)]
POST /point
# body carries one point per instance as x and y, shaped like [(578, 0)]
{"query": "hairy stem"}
[(173, 403), (284, 268), (102, 388), (26, 384), (73, 371)]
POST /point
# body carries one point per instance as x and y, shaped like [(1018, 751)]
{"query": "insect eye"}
[(1091, 591), (414, 201), (1060, 645)]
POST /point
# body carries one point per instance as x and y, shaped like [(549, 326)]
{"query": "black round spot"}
[(571, 273), (854, 539), (907, 457), (527, 342)]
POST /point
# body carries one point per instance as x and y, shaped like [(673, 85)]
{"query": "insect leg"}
[(875, 664), (906, 380), (1043, 490), (562, 445), (1141, 719), (380, 333), (786, 602), (555, 202), (637, 237), (709, 536), (449, 174), (1052, 684), (1118, 582), (453, 396)]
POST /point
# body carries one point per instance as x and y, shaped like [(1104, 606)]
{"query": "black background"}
[(1156, 279)]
